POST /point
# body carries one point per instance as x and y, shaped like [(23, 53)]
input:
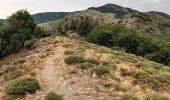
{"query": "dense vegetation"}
[(117, 35), (131, 42), (20, 32)]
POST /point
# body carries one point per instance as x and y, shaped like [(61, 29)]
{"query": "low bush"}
[(86, 65), (128, 96), (140, 75), (166, 75), (93, 61), (102, 70), (117, 86), (155, 96), (53, 96), (74, 59), (21, 86), (157, 83)]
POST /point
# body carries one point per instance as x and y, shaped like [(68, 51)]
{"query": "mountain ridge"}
[(119, 11)]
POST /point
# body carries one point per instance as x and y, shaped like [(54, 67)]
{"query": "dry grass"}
[(118, 64)]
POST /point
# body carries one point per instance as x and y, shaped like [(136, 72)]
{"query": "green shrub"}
[(21, 86), (102, 70), (155, 96), (128, 96), (93, 61), (140, 75), (155, 83), (31, 42), (74, 59), (117, 86), (33, 74), (86, 65), (53, 96), (166, 75)]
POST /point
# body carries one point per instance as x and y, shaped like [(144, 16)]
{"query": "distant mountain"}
[(163, 14), (119, 11), (48, 16)]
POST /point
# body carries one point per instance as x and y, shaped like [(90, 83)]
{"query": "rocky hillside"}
[(149, 23), (78, 70)]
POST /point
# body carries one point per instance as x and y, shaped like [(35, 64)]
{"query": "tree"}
[(162, 56), (84, 28), (22, 24), (129, 41), (106, 34), (148, 45)]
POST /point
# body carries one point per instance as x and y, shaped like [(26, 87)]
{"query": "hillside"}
[(80, 70), (149, 23)]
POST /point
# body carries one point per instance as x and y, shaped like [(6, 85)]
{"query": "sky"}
[(7, 7)]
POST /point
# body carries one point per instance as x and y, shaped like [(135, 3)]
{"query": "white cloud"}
[(35, 6)]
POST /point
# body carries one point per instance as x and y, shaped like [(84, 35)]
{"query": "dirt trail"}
[(53, 76)]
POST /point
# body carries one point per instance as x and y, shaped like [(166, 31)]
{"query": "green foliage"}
[(128, 96), (166, 75), (155, 96), (119, 36), (81, 24), (21, 86), (40, 32), (86, 65), (117, 86), (155, 83), (129, 41), (140, 75), (53, 96), (22, 24), (84, 28), (105, 34), (30, 43), (74, 59), (100, 71), (21, 29), (93, 61), (162, 56)]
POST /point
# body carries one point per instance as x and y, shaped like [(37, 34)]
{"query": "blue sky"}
[(7, 7)]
